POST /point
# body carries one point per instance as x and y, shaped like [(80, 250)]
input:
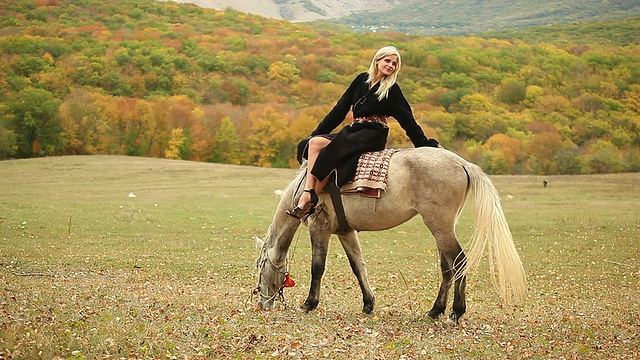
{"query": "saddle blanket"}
[(371, 174)]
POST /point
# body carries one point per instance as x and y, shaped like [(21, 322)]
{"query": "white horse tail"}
[(492, 233)]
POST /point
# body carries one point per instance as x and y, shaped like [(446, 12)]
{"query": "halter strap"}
[(279, 294)]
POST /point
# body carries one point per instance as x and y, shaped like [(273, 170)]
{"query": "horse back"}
[(428, 181)]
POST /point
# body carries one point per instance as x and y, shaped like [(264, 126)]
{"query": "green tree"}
[(569, 160), (8, 143), (237, 91), (32, 114), (456, 81), (513, 92), (28, 65), (633, 160), (475, 102)]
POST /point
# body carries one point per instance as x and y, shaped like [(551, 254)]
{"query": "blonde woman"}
[(373, 96)]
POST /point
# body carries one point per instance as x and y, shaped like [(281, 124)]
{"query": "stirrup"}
[(308, 209)]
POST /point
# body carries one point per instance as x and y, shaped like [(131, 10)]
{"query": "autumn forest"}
[(159, 79)]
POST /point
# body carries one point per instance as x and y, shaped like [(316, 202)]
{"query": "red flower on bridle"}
[(288, 281)]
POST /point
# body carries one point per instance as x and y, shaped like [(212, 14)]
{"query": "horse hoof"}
[(367, 310), (307, 307), (453, 320), (434, 314), (449, 323)]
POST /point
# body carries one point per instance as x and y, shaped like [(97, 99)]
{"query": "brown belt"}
[(379, 119)]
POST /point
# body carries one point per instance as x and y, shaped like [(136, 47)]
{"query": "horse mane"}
[(296, 185), (290, 193)]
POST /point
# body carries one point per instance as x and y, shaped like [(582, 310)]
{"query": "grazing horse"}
[(432, 182)]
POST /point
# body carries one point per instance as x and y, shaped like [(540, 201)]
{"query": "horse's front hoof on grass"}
[(453, 320), (434, 313), (368, 306), (307, 307)]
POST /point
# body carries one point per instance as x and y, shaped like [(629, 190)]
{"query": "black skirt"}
[(343, 152)]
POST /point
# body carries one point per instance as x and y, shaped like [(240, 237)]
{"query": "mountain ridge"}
[(433, 17), (296, 10)]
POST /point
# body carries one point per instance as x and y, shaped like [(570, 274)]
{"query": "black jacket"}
[(344, 150)]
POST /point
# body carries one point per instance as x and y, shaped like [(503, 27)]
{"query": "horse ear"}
[(259, 242)]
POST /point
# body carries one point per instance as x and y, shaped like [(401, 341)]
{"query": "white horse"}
[(428, 181)]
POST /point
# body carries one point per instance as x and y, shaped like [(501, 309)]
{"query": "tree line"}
[(146, 78)]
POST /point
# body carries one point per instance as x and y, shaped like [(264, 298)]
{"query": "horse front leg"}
[(351, 246), (319, 250)]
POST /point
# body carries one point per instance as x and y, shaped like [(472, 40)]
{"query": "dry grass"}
[(89, 272)]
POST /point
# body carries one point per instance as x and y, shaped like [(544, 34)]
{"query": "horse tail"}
[(492, 235)]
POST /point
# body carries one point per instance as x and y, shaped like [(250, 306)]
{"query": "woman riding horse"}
[(373, 96)]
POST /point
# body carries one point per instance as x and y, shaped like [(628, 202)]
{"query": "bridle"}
[(278, 294), (281, 269)]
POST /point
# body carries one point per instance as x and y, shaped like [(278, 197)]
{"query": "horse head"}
[(272, 277)]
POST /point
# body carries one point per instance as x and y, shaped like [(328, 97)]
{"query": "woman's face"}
[(387, 65)]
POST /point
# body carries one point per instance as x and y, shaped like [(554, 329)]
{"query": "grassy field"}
[(90, 271)]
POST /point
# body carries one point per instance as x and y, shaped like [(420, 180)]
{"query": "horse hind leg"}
[(351, 246), (452, 260), (440, 304)]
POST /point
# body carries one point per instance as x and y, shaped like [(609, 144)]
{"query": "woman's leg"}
[(315, 145)]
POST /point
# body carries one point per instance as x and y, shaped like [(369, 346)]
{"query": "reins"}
[(279, 294)]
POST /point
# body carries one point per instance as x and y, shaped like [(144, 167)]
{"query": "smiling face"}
[(386, 66)]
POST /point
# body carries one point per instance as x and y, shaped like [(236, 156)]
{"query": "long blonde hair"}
[(387, 82)]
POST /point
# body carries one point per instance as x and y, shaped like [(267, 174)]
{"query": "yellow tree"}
[(269, 142), (81, 117), (302, 126), (505, 153), (227, 143), (159, 117), (533, 93), (176, 143), (283, 72), (604, 157), (632, 98), (202, 133)]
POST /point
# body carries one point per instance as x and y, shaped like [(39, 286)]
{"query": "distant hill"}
[(472, 17), (434, 17), (605, 33), (296, 10)]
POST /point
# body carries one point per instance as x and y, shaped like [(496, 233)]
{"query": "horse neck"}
[(283, 227), (281, 231)]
